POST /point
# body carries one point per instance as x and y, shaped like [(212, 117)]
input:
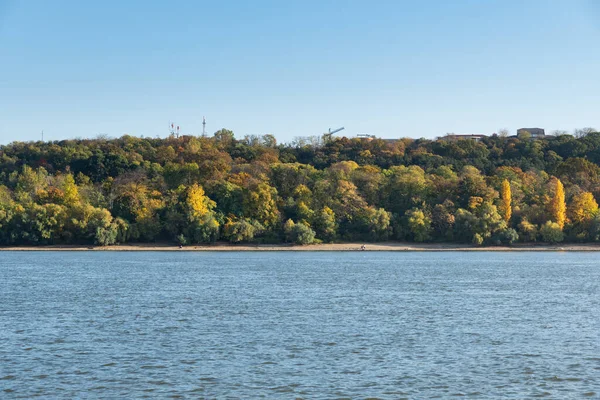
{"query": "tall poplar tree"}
[(506, 197), (558, 207)]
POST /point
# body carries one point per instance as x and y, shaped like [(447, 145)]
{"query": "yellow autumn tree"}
[(583, 207), (198, 203), (71, 193), (474, 202), (506, 198), (558, 207), (260, 203)]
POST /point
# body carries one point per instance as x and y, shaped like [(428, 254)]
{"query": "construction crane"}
[(327, 136)]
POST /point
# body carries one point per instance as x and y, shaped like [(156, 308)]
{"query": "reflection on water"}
[(299, 325)]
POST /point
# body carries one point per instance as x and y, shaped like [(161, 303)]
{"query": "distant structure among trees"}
[(536, 133), (454, 137)]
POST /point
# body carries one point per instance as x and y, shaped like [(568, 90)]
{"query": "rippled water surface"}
[(299, 325)]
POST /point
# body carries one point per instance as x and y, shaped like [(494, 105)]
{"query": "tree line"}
[(189, 190)]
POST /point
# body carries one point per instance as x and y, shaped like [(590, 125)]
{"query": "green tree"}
[(473, 184), (259, 203), (325, 225), (482, 222), (442, 220), (371, 224), (240, 231), (419, 224), (405, 187), (203, 229)]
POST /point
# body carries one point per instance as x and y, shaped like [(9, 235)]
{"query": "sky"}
[(294, 68)]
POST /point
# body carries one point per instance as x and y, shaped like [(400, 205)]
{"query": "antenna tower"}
[(173, 130), (203, 126)]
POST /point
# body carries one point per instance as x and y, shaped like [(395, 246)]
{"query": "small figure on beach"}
[(181, 246), (363, 248)]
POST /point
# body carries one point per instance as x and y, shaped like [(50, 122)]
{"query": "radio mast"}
[(173, 130)]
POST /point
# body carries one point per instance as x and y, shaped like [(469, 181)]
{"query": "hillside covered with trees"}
[(188, 190)]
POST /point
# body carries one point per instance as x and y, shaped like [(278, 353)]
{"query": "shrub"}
[(106, 236), (181, 239), (505, 236), (528, 231), (299, 233), (240, 231), (204, 230), (477, 239), (551, 232)]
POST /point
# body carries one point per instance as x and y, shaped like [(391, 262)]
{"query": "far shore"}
[(385, 246)]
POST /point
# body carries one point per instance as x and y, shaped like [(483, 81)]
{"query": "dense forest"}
[(189, 190)]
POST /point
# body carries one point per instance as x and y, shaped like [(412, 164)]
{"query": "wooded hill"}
[(199, 190)]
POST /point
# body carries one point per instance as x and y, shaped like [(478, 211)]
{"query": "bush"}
[(123, 233), (505, 236), (106, 236), (551, 232), (302, 234), (181, 240), (204, 230), (477, 239), (299, 233), (528, 231), (240, 231), (288, 226), (594, 232)]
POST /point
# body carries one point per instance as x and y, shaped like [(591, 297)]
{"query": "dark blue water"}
[(299, 325)]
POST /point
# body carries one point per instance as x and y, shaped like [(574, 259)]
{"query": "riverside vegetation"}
[(200, 190)]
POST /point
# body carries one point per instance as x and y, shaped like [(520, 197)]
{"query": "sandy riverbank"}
[(387, 246)]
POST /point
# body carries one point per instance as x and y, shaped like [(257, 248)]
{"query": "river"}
[(386, 325)]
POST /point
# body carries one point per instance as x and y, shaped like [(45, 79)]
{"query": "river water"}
[(299, 325)]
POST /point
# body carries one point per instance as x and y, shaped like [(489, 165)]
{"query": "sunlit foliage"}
[(190, 190)]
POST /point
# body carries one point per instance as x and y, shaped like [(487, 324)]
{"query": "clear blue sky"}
[(293, 68)]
